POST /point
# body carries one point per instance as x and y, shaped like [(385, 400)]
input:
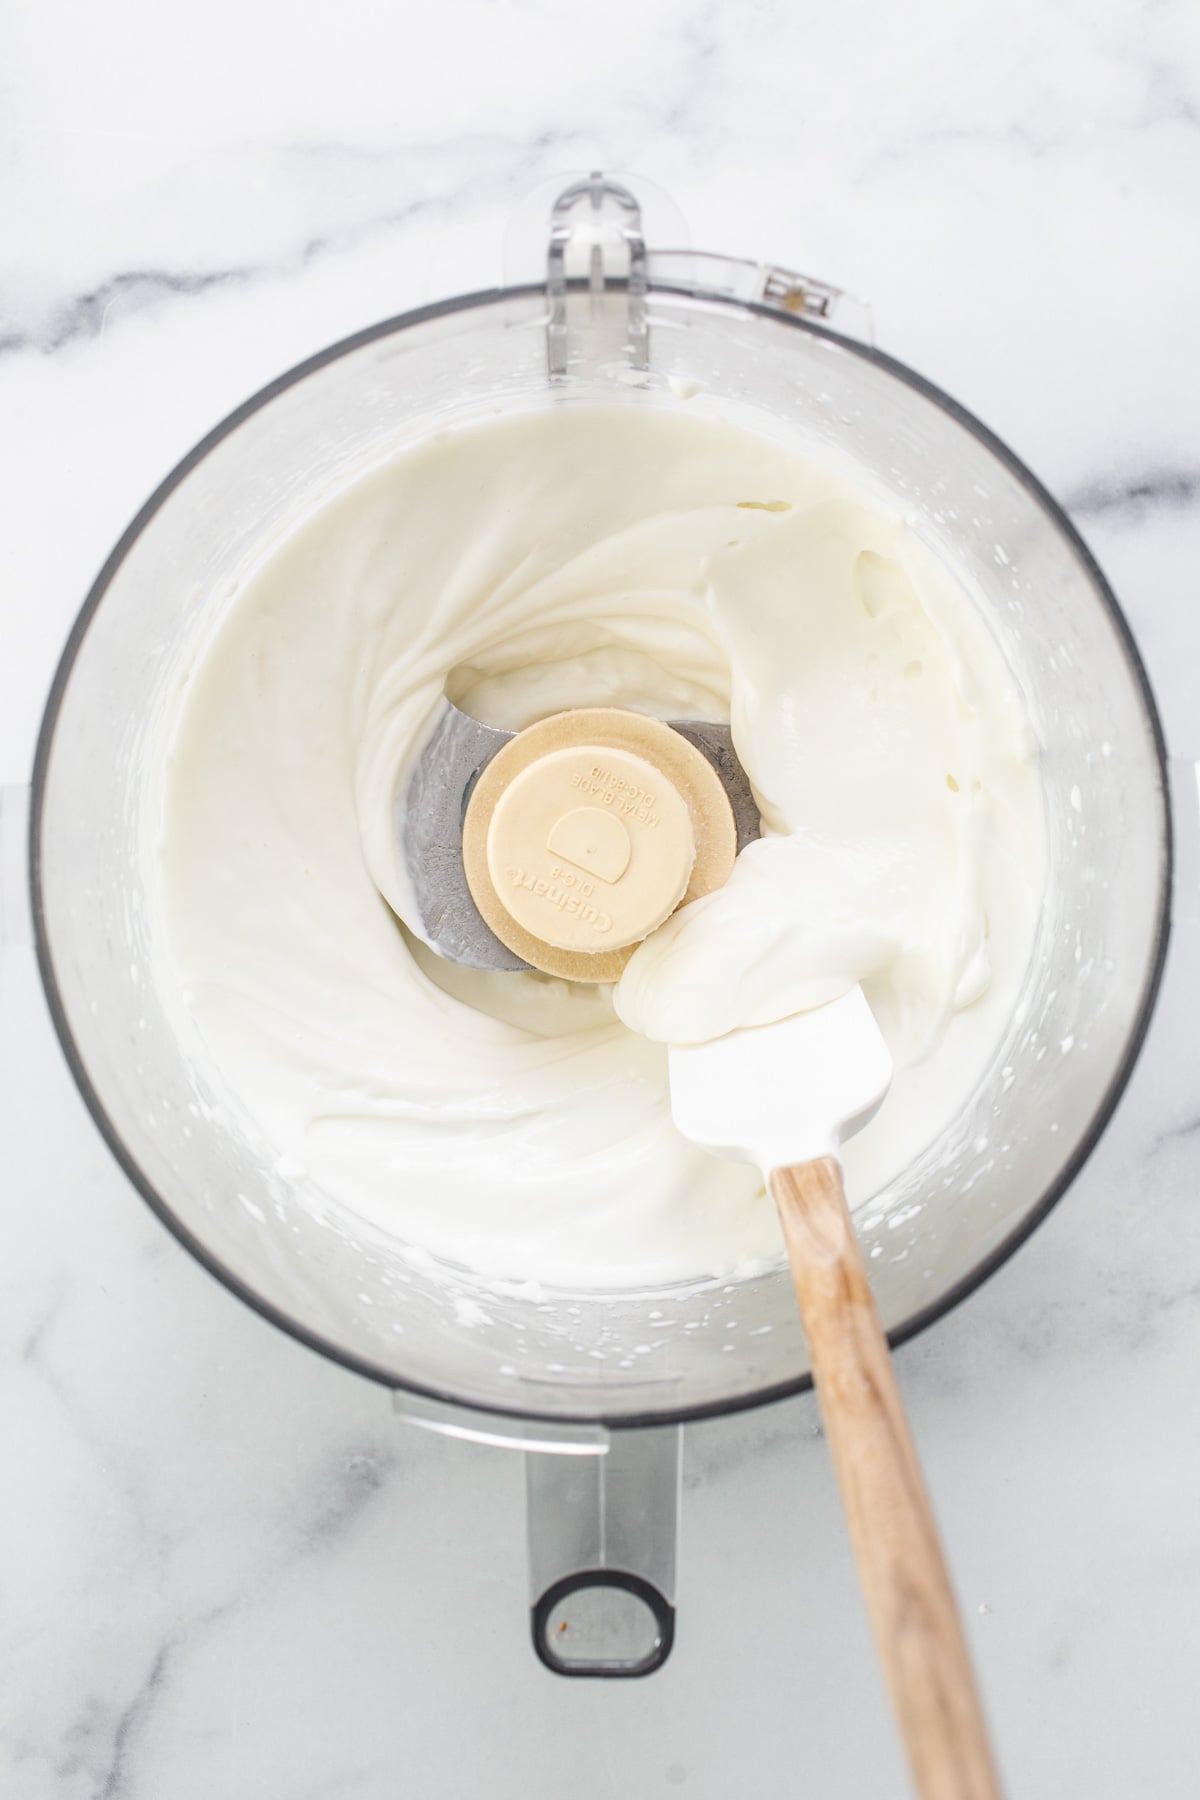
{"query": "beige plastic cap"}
[(590, 848), (584, 833)]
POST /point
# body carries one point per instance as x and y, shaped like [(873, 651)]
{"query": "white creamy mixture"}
[(652, 560)]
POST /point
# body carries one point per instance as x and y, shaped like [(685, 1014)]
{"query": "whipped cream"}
[(516, 1124)]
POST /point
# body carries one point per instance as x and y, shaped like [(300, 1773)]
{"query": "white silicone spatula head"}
[(784, 1093)]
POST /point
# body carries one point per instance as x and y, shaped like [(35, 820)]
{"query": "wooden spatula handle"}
[(892, 1531)]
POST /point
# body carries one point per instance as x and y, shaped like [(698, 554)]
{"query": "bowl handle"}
[(602, 1533)]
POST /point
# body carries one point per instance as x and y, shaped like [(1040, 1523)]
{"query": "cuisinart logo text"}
[(574, 904), (626, 797)]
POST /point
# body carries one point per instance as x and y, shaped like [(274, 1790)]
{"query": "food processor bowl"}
[(575, 1371)]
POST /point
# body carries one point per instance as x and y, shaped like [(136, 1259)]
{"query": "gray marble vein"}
[(1132, 496), (131, 1721)]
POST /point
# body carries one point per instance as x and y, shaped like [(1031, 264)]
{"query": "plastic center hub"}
[(590, 848), (586, 831)]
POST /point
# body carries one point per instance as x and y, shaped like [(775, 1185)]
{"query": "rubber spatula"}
[(785, 1096)]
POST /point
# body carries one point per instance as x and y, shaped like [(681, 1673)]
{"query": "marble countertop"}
[(226, 1569)]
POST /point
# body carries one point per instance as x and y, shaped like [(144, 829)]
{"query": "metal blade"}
[(429, 820), (715, 744)]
